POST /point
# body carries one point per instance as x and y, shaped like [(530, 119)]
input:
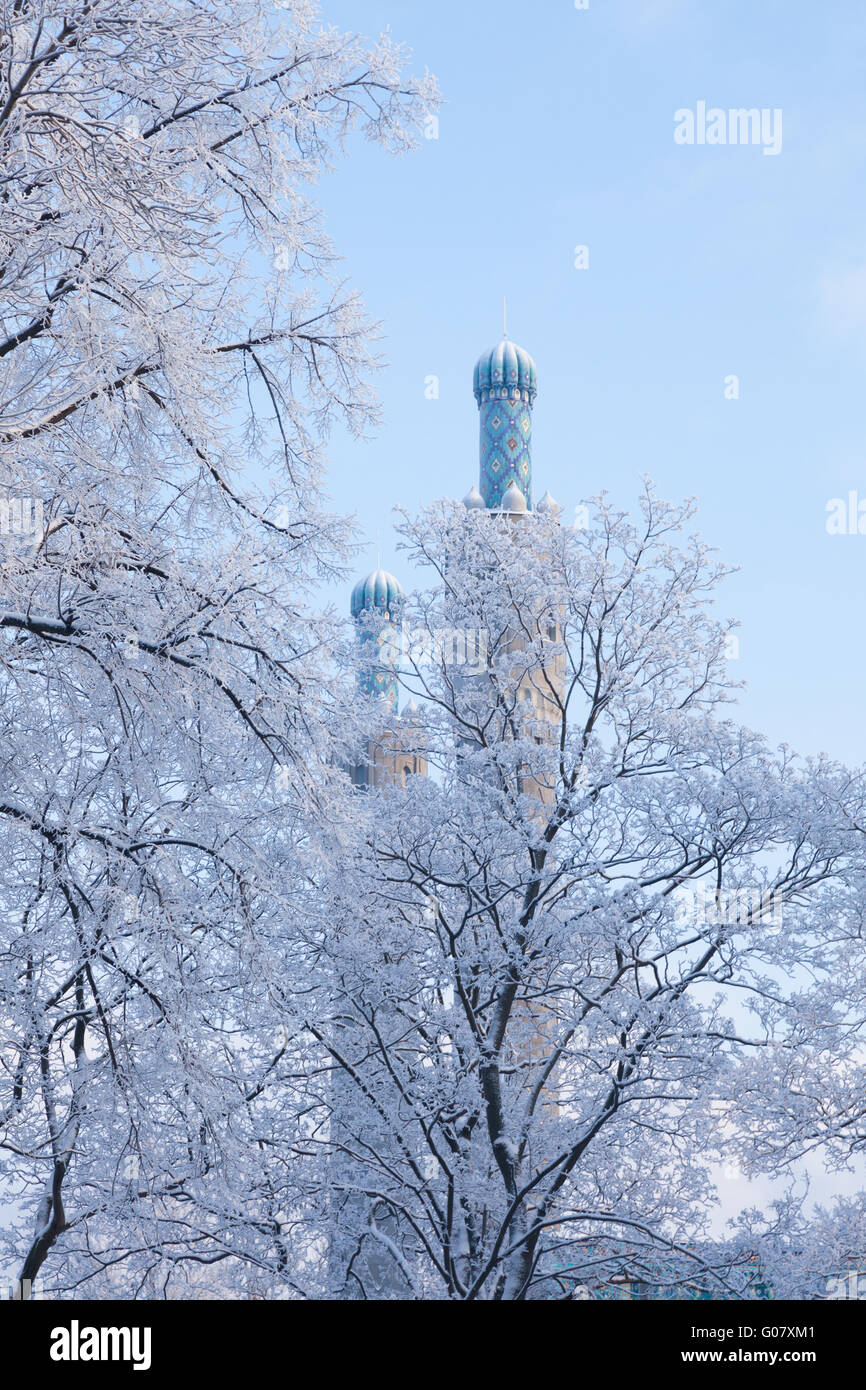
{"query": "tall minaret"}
[(361, 1266), (394, 755), (505, 387), (381, 594)]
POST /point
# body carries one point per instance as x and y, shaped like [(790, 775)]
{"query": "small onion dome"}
[(505, 370), (380, 590), (473, 498), (411, 711), (547, 504), (513, 499)]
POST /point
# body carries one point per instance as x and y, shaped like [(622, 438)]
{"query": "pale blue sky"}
[(704, 261)]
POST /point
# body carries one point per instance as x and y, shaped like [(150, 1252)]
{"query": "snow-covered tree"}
[(484, 1036), (610, 942), (175, 346)]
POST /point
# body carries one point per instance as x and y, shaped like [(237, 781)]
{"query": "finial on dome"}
[(548, 504), (473, 498)]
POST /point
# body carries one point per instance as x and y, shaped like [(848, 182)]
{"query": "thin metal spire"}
[(504, 317)]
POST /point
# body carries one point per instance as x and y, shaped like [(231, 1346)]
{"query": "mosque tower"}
[(387, 761), (505, 384), (393, 756)]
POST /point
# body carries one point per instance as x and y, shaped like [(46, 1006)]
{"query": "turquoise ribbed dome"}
[(380, 590), (506, 366)]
